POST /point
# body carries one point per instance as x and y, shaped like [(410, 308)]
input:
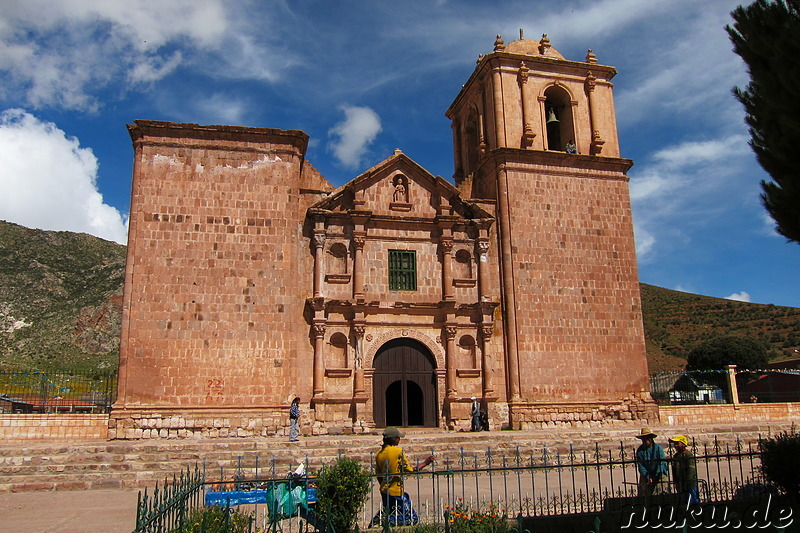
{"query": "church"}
[(396, 298)]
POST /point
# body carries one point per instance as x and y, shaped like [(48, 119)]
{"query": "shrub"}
[(780, 461), (462, 519), (341, 491), (217, 519)]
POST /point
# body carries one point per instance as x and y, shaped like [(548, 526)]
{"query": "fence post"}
[(731, 371)]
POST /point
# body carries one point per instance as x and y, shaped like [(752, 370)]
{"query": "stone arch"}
[(437, 351), (463, 264), (338, 351), (338, 258), (405, 384), (472, 136)]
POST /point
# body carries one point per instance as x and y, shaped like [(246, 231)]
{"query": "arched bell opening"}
[(559, 122), (472, 139)]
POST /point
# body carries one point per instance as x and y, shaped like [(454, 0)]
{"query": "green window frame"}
[(402, 270)]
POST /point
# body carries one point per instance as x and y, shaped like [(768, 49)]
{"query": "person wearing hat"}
[(684, 471), (651, 462), (475, 413), (390, 465)]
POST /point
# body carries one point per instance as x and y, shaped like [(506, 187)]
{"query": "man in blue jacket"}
[(651, 462)]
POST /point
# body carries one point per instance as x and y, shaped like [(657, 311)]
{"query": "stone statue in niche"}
[(400, 195), (400, 191)]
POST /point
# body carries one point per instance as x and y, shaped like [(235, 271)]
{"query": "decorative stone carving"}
[(544, 44), (597, 143), (522, 75), (591, 81), (499, 44)]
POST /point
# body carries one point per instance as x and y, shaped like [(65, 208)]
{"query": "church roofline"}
[(141, 129)]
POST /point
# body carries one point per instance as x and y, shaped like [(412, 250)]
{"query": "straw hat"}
[(646, 434)]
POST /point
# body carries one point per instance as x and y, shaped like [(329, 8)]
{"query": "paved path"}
[(103, 511)]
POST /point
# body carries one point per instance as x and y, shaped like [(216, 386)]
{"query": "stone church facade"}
[(397, 297)]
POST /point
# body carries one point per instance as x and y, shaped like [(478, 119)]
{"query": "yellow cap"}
[(680, 438)]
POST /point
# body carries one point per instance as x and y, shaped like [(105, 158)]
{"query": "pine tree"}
[(766, 35)]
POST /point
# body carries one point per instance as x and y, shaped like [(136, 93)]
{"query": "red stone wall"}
[(60, 427), (579, 326), (216, 284)]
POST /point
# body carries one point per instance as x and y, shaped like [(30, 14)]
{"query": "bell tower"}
[(535, 134)]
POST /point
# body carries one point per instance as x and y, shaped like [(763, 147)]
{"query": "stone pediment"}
[(399, 187)]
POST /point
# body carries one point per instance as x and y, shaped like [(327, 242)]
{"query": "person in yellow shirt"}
[(390, 465)]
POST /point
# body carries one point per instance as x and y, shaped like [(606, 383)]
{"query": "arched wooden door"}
[(404, 385)]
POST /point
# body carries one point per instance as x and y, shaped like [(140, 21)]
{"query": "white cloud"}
[(644, 242), (354, 134), (49, 181), (220, 108), (739, 297), (694, 153), (62, 53), (681, 187)]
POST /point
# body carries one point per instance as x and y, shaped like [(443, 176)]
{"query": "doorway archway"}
[(404, 385)]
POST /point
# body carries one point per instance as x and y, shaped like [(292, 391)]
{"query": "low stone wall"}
[(53, 427), (745, 413)]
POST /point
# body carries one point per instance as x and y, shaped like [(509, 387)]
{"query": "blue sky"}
[(363, 78)]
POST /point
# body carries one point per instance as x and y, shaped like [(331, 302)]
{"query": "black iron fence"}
[(168, 507), (24, 391), (521, 485)]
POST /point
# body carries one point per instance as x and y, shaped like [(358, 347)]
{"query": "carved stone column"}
[(358, 265), (450, 359), (597, 139), (483, 267), (487, 369), (319, 361), (499, 118), (527, 130), (319, 246), (446, 246), (509, 296), (358, 381)]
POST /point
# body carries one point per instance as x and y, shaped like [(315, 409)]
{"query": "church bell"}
[(551, 116)]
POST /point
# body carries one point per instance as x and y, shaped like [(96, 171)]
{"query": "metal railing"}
[(699, 387), (23, 391), (530, 484), (168, 507)]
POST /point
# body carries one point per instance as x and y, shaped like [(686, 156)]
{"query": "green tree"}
[(341, 491), (765, 36), (716, 353)]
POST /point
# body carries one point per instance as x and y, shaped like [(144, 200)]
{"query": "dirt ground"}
[(103, 511)]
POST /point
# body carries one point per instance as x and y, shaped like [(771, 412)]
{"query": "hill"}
[(674, 322), (60, 299), (61, 308)]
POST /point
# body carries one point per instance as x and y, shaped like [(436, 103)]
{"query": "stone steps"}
[(40, 466)]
